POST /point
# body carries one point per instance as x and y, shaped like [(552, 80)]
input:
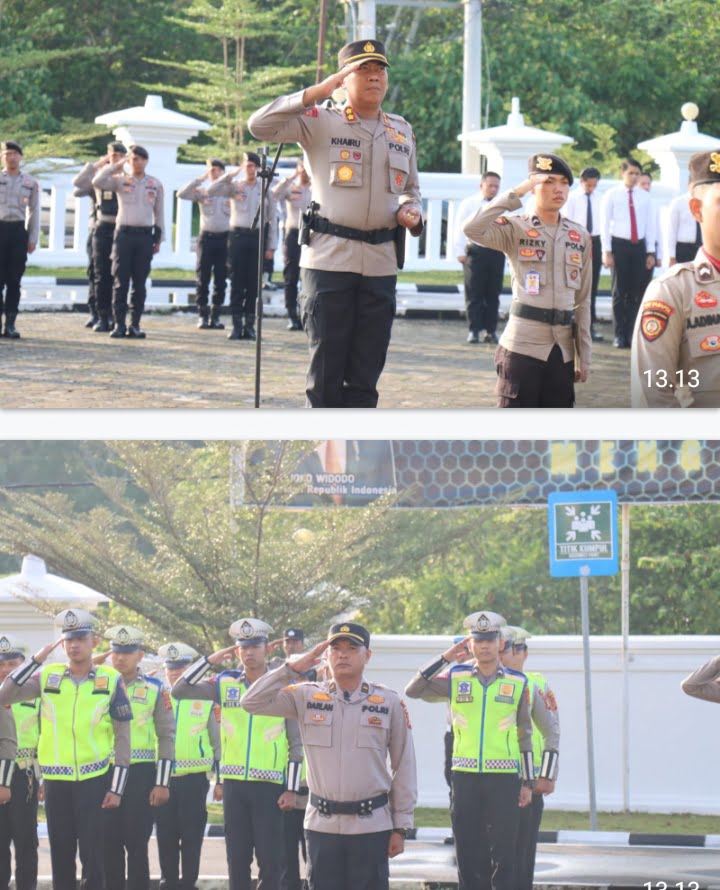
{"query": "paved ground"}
[(60, 364)]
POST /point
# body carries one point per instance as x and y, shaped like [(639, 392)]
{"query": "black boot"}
[(92, 321), (203, 314), (215, 322), (294, 323), (10, 331), (135, 332), (248, 331), (237, 328), (119, 330), (103, 325)]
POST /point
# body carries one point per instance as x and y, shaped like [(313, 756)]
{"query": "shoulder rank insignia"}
[(350, 115)]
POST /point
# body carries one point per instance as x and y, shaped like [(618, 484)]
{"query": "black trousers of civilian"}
[(350, 861), (528, 828), (483, 274), (13, 257), (294, 848), (348, 319), (181, 830), (527, 382), (102, 245), (291, 272), (243, 246), (92, 295), (629, 277), (253, 823), (75, 819), (485, 816), (131, 259), (685, 251), (211, 264), (128, 829), (596, 267), (18, 826)]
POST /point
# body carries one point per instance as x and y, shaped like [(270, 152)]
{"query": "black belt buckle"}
[(365, 808), (373, 236)]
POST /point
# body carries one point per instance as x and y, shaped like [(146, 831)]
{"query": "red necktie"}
[(633, 220)]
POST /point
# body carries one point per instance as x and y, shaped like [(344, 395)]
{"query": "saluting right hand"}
[(220, 656), (309, 659), (452, 653), (101, 657), (43, 653), (327, 87), (273, 644)]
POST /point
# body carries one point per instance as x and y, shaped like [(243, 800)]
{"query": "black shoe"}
[(294, 325), (215, 322), (248, 332), (472, 337), (595, 337), (102, 326), (449, 840), (490, 338), (203, 323), (118, 331), (621, 343), (135, 332), (92, 321), (10, 331)]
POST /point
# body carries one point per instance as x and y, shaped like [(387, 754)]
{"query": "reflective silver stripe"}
[(196, 672), (142, 754), (294, 770), (6, 772), (432, 667), (23, 673), (119, 779), (549, 762), (526, 765), (163, 772)]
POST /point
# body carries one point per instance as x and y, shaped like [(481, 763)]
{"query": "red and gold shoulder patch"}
[(350, 114), (705, 300), (532, 233), (166, 700), (549, 698), (654, 319), (574, 236), (502, 220), (217, 712), (311, 112), (406, 713), (289, 688), (711, 343)]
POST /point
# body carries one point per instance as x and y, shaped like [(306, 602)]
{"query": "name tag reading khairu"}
[(532, 284)]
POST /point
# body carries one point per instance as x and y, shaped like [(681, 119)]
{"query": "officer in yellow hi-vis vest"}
[(85, 716), (260, 762), (181, 824), (18, 820), (152, 751), (492, 764), (546, 741)]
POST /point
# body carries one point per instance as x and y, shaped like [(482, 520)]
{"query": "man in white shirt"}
[(483, 268), (645, 183), (583, 207), (628, 241), (684, 235)]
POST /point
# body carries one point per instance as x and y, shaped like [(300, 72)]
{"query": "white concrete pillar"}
[(366, 20), (472, 82)]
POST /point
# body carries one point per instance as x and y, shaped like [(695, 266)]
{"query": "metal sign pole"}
[(585, 610), (625, 610)]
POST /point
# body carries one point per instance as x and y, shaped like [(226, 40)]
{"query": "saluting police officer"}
[(363, 166), (85, 716), (137, 237), (8, 753), (676, 344), (244, 240), (260, 757), (152, 751), (181, 823), (19, 230), (492, 765), (211, 244), (105, 210), (296, 192), (545, 347), (546, 741), (360, 808), (18, 820)]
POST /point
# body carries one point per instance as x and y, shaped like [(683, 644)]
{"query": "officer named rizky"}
[(546, 345), (676, 343), (18, 820), (181, 823), (360, 760), (152, 751), (492, 764), (261, 757), (85, 717), (546, 741)]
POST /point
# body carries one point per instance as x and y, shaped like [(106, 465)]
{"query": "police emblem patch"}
[(574, 236), (705, 300), (711, 343), (544, 164), (321, 696), (318, 718), (232, 693), (374, 721), (464, 692), (369, 47), (532, 233), (4, 644), (345, 154), (172, 651), (71, 620), (654, 319), (527, 252), (376, 699), (140, 694), (53, 681), (102, 684), (507, 689)]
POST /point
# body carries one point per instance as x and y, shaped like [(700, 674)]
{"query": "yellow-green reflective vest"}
[(253, 748), (484, 720), (76, 732), (27, 728), (193, 748), (536, 681), (143, 693)]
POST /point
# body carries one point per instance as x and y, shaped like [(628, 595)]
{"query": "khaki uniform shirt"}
[(83, 188), (704, 683), (677, 339), (347, 744), (547, 272), (296, 197), (8, 739), (244, 203), (20, 202), (140, 201), (362, 172), (214, 211)]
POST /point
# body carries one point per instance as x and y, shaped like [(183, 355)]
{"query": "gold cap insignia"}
[(344, 628), (544, 164), (369, 47), (715, 166)]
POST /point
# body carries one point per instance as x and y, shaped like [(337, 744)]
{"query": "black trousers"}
[(211, 264), (291, 272), (13, 257), (485, 816), (348, 318), (75, 818), (102, 245), (685, 251), (483, 273), (449, 741), (528, 828), (253, 823), (128, 830), (18, 826), (294, 848), (131, 258), (181, 829), (596, 267), (92, 297), (629, 278), (350, 861), (243, 262), (527, 382)]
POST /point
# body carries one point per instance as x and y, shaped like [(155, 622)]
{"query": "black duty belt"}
[(348, 807), (549, 316), (12, 222), (110, 223), (144, 230), (371, 236), (243, 230), (205, 234)]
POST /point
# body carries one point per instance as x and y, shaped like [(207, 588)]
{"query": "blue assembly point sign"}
[(583, 533)]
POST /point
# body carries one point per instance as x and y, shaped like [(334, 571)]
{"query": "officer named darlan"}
[(363, 166), (546, 345), (676, 343), (360, 760)]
